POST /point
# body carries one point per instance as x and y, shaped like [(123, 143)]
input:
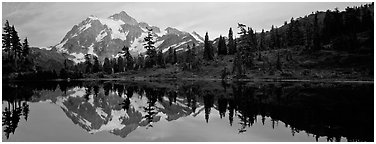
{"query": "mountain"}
[(47, 59), (102, 110), (105, 37)]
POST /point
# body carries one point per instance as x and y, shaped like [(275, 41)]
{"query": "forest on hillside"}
[(327, 45)]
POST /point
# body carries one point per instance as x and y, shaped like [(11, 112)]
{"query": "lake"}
[(180, 111)]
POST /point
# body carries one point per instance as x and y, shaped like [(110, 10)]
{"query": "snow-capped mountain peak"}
[(105, 37), (123, 16)]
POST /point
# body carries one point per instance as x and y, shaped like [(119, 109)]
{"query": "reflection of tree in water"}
[(172, 94), (208, 104), (222, 107), (88, 93), (317, 110), (16, 107), (25, 110), (150, 109), (96, 90), (107, 87)]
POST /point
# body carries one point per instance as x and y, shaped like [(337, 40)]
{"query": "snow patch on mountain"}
[(162, 33), (78, 57), (45, 48), (91, 50), (165, 50), (158, 43), (60, 48), (91, 100), (114, 123), (180, 44), (82, 120), (85, 27), (137, 45), (197, 37), (101, 113), (115, 26), (139, 103), (101, 35), (78, 92)]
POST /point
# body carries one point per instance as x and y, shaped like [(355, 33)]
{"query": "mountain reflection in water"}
[(332, 111)]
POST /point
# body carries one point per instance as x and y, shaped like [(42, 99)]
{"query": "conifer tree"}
[(273, 38), (224, 47), (129, 62), (289, 33), (220, 48), (160, 59), (208, 51), (241, 49), (262, 44), (88, 63), (150, 49), (25, 48), (107, 66), (96, 66), (316, 37), (120, 64), (16, 46), (175, 57), (230, 45), (7, 39), (194, 50), (278, 38)]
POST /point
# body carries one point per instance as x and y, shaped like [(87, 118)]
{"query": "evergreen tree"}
[(188, 56), (16, 46), (261, 44), (141, 61), (308, 35), (107, 66), (208, 51), (175, 57), (25, 62), (230, 45), (241, 48), (128, 61), (170, 57), (289, 33), (89, 65), (220, 46), (63, 73), (246, 46), (251, 40), (316, 35), (150, 49), (120, 64), (114, 65), (25, 48), (277, 38), (194, 50), (160, 59), (96, 66), (224, 47), (278, 63), (7, 39), (297, 34)]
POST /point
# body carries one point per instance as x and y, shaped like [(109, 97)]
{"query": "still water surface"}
[(186, 111)]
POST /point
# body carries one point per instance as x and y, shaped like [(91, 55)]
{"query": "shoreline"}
[(208, 79)]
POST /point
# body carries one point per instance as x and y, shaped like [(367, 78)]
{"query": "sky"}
[(45, 24)]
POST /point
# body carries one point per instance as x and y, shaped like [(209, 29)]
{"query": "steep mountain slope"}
[(105, 37)]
